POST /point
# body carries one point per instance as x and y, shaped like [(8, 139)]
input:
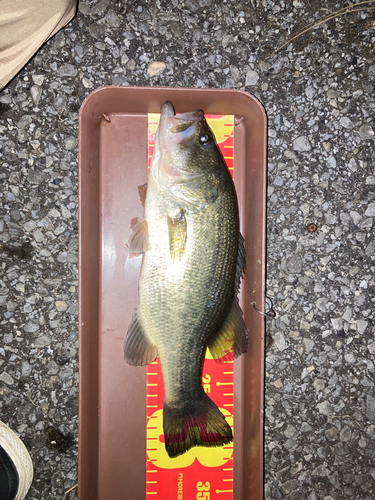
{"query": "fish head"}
[(186, 139), (188, 155)]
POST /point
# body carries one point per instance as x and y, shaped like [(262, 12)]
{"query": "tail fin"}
[(202, 424)]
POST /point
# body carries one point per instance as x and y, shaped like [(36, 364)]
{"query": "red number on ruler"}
[(203, 491)]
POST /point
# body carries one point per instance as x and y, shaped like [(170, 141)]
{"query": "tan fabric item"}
[(24, 26)]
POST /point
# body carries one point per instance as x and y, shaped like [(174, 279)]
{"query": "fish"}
[(193, 262)]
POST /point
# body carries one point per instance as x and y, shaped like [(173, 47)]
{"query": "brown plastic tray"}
[(112, 164)]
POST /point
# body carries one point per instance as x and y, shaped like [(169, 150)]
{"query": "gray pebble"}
[(370, 212), (301, 144), (252, 78), (324, 408), (370, 407), (366, 132), (6, 378), (67, 70), (295, 264)]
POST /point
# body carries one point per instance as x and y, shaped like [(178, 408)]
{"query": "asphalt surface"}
[(318, 92)]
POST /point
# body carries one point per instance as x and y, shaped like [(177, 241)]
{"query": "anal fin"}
[(138, 350), (233, 333)]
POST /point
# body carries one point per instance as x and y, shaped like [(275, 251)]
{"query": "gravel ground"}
[(318, 92)]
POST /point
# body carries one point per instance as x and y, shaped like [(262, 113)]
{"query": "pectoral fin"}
[(138, 241), (233, 333), (177, 236), (138, 350)]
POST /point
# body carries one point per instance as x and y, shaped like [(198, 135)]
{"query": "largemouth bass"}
[(193, 262)]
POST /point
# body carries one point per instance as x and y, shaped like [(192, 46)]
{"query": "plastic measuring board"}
[(201, 473)]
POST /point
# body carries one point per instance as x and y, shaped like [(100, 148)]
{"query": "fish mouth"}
[(180, 128), (177, 124), (180, 123)]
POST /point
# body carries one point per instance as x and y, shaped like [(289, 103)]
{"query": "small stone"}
[(70, 143), (309, 344), (31, 327), (337, 323), (353, 165), (35, 177), (65, 212), (24, 122), (321, 470), (191, 5), (322, 304), (290, 486), (331, 160), (370, 249), (370, 407), (42, 341), (294, 264), (156, 68), (279, 340), (36, 92), (290, 431), (278, 383), (112, 19), (6, 378), (26, 369), (370, 212), (88, 84), (252, 78), (38, 235), (324, 408), (366, 382), (362, 442), (38, 79), (234, 72), (319, 384), (371, 348), (347, 316), (366, 132), (61, 305), (361, 326), (310, 91), (7, 337), (67, 70), (304, 325), (349, 358), (346, 122), (301, 144), (346, 434), (332, 434)]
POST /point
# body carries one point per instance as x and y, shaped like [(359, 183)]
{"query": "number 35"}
[(203, 491)]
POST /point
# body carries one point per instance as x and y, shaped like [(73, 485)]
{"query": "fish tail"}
[(201, 424)]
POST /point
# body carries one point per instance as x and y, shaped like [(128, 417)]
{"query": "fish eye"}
[(204, 139)]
